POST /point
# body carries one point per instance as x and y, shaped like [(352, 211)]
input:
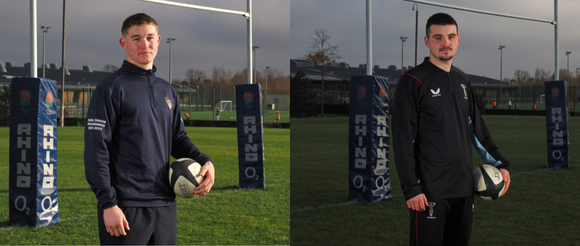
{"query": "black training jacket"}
[(435, 120), (133, 128)]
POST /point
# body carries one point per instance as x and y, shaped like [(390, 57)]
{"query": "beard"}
[(442, 57)]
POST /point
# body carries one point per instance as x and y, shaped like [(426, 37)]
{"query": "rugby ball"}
[(488, 182), (184, 177)]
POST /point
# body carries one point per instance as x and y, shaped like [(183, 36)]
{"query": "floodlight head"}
[(404, 39), (169, 40), (568, 52), (255, 47), (501, 47)]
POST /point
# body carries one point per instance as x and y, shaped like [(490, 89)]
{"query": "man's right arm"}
[(404, 120), (101, 118)]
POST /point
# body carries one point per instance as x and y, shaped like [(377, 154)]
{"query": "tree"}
[(541, 76), (302, 96), (110, 68), (220, 78), (324, 52), (194, 77), (5, 105), (521, 76)]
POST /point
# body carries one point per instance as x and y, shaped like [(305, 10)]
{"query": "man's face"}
[(141, 44), (442, 41)]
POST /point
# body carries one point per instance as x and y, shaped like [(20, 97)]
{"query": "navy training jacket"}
[(133, 127), (435, 122)]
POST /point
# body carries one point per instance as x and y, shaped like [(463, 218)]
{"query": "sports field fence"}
[(77, 99)]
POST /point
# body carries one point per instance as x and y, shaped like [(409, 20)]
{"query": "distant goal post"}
[(224, 105)]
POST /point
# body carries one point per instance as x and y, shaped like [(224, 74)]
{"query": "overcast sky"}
[(529, 45), (203, 39)]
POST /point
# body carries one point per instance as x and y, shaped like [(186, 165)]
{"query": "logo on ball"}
[(184, 177), (488, 182)]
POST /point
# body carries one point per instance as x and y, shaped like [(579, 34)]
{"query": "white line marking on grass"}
[(331, 205), (61, 220)]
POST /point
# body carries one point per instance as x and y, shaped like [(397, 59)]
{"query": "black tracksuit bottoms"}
[(149, 226), (444, 222)]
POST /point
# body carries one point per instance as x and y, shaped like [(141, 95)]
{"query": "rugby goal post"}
[(224, 105)]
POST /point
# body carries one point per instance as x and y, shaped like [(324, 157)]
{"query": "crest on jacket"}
[(168, 101), (464, 91), (436, 93)]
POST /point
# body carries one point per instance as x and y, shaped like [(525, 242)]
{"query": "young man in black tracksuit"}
[(435, 121), (133, 128)]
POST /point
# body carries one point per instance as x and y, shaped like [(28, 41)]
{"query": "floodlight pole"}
[(369, 38), (247, 14), (33, 37), (170, 40), (500, 71), (568, 66), (416, 28), (553, 22), (44, 30), (403, 39)]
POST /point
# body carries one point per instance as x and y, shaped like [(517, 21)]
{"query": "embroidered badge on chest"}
[(436, 93), (464, 91), (168, 101)]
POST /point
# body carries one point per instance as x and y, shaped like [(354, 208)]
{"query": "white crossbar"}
[(553, 22), (191, 6)]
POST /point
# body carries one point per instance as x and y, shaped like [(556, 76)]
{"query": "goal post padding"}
[(557, 124), (369, 175), (33, 153), (250, 136)]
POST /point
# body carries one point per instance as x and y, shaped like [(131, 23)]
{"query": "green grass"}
[(225, 216), (540, 208)]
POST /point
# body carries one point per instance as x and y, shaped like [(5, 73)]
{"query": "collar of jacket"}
[(132, 69), (428, 63)]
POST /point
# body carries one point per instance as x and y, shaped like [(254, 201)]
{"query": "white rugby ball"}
[(488, 182), (184, 177)]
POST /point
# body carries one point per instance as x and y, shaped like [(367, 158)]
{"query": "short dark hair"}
[(440, 19), (137, 20)]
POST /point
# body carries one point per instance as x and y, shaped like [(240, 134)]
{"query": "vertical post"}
[(369, 38), (250, 137), (33, 42), (368, 162), (557, 124), (556, 76), (62, 65), (249, 21), (33, 153)]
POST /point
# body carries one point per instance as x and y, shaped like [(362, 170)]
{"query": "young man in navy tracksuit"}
[(133, 128), (435, 121)]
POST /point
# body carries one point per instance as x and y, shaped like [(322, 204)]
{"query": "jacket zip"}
[(151, 88)]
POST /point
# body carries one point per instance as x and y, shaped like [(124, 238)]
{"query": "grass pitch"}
[(225, 216), (540, 207)]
